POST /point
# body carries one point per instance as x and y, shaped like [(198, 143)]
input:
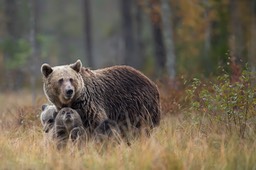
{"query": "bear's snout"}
[(68, 119), (67, 89), (69, 92), (68, 114)]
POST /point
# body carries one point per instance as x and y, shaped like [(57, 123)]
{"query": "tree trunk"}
[(168, 37), (34, 57), (156, 22), (235, 36), (12, 35), (11, 16), (252, 51), (64, 54), (128, 33), (140, 53), (207, 40), (88, 32)]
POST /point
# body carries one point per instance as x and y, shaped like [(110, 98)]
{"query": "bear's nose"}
[(68, 115), (69, 92)]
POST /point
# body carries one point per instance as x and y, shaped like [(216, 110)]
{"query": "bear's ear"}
[(46, 70), (76, 66), (44, 106)]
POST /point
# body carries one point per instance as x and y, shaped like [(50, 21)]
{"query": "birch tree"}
[(168, 39)]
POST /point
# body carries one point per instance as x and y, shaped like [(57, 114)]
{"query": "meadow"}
[(203, 126)]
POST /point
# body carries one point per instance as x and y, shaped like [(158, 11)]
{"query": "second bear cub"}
[(68, 125)]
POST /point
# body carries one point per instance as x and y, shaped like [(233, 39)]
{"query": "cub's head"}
[(62, 84), (69, 118), (47, 117)]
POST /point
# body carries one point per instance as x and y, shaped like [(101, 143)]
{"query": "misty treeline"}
[(160, 37)]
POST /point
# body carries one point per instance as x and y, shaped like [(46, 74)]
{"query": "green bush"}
[(231, 104)]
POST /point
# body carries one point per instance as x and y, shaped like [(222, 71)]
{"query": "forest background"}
[(200, 53), (171, 38)]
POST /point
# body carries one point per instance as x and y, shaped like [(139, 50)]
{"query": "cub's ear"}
[(76, 66), (46, 70), (44, 106)]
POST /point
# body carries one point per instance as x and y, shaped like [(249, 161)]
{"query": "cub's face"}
[(62, 84), (69, 118), (47, 117)]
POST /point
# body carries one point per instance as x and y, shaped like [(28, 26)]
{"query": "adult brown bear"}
[(115, 95)]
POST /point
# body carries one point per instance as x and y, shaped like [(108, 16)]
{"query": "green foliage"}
[(47, 45), (231, 104), (17, 52)]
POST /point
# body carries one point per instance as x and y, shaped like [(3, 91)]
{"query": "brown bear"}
[(68, 125), (47, 117), (117, 95)]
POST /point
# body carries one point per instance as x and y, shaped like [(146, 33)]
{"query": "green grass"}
[(179, 142)]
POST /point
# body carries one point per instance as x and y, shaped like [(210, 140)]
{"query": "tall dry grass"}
[(178, 143)]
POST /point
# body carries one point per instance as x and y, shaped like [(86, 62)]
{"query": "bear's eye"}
[(63, 112), (60, 81), (71, 80)]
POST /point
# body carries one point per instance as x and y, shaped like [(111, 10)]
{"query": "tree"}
[(12, 35), (15, 47), (140, 53), (159, 47), (128, 33), (34, 48), (88, 32), (207, 39), (169, 42), (235, 38), (11, 13), (252, 53)]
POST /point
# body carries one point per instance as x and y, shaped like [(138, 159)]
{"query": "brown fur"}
[(47, 117), (120, 94), (68, 125)]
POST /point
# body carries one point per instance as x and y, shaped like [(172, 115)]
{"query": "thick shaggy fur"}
[(47, 117), (118, 94), (68, 125)]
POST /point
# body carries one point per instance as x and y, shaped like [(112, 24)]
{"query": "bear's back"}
[(125, 92)]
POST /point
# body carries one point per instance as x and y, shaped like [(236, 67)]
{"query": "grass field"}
[(180, 142)]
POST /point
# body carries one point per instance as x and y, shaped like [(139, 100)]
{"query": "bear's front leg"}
[(78, 133), (61, 138)]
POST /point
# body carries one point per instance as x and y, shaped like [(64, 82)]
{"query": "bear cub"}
[(62, 126), (47, 117)]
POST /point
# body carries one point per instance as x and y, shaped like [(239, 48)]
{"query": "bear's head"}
[(62, 84), (69, 118)]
